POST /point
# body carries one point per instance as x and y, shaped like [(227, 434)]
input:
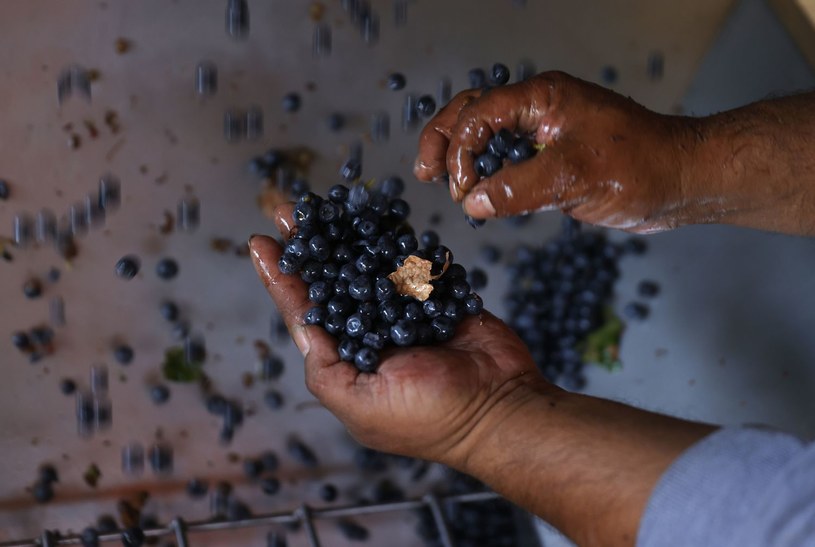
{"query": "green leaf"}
[(176, 368), (602, 346)]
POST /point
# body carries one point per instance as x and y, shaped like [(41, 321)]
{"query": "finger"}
[(543, 183), (283, 219), (327, 377), (431, 162), (290, 296), (519, 108)]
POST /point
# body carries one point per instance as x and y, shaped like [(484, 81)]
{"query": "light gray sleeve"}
[(738, 486)]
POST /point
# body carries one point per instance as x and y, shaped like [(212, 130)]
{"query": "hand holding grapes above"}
[(604, 159), (431, 402)]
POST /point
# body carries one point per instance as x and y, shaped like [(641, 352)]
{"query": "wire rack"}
[(179, 529)]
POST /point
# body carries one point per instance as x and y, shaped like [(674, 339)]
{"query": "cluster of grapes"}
[(345, 247), (504, 146), (559, 294)]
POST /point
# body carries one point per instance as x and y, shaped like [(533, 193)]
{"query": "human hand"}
[(607, 160), (424, 401)]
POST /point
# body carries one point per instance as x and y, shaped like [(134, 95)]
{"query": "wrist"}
[(513, 402)]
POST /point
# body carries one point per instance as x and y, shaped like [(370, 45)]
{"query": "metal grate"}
[(178, 528)]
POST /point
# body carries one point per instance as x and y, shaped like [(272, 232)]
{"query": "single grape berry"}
[(486, 165), (477, 78), (166, 269), (273, 399), (426, 105), (67, 386), (522, 149), (32, 288), (500, 74), (197, 488), (270, 486), (396, 81), (328, 492), (636, 311), (169, 311), (127, 267), (291, 102), (351, 170), (366, 359), (159, 394), (647, 288), (123, 354)]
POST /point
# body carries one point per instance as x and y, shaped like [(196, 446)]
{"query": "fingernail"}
[(251, 237), (301, 339), (480, 202)]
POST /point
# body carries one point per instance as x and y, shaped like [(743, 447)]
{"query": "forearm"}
[(755, 167), (583, 464)]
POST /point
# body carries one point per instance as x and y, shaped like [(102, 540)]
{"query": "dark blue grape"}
[(270, 486), (21, 340), (343, 254), (390, 311), (123, 354), (443, 328), (368, 309), (357, 325), (351, 170), (252, 468), (366, 359), (288, 264), (128, 266), (407, 244), (341, 288), (273, 399), (399, 209), (361, 289), (396, 81), (341, 305), (335, 121), (413, 312), (319, 248), (328, 492), (374, 340), (430, 239), (304, 214), (477, 278), (347, 349), (311, 271), (647, 288), (352, 531), (335, 324), (291, 102), (486, 165), (500, 74), (392, 187), (315, 316), (522, 149), (302, 453), (477, 78), (328, 212), (500, 144), (453, 310), (426, 105), (297, 248), (385, 289), (331, 271), (338, 193), (475, 222), (403, 333), (636, 311), (166, 269), (473, 304), (159, 394), (459, 289)]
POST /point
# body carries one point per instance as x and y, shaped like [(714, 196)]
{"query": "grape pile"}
[(345, 247), (559, 295)]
